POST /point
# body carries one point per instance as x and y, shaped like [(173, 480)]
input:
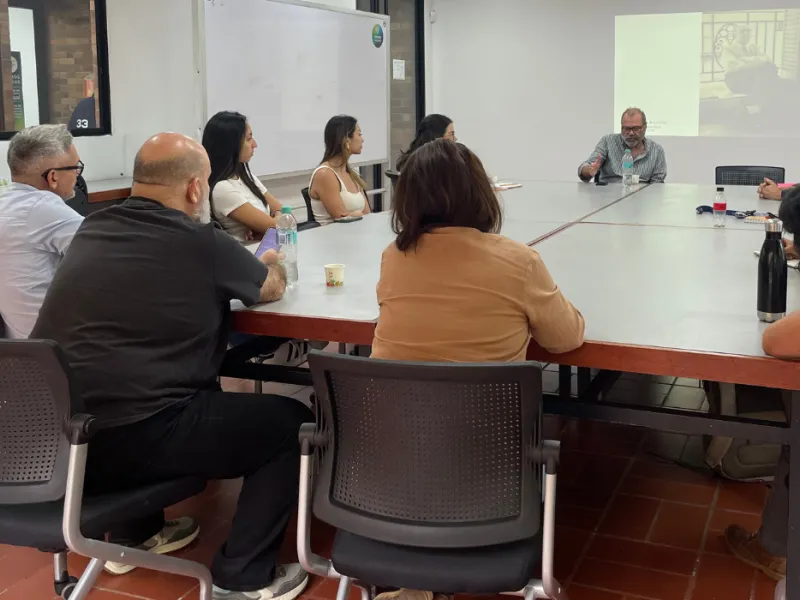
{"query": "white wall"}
[(22, 39), (530, 85)]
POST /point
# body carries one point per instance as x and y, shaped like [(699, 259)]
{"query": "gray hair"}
[(633, 111), (32, 146)]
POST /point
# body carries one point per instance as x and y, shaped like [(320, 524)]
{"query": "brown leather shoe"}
[(746, 547)]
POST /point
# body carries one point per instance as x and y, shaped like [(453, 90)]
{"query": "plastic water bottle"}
[(720, 208), (772, 274), (287, 243), (627, 167)]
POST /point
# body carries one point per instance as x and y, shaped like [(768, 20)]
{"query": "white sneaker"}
[(175, 535), (289, 583)]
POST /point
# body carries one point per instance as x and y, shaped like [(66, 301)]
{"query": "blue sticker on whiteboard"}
[(377, 36)]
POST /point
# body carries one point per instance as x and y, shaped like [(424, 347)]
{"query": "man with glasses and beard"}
[(36, 225), (649, 160)]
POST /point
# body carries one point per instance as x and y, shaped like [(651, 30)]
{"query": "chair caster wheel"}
[(64, 589)]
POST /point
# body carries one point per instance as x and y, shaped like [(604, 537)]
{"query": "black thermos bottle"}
[(772, 274)]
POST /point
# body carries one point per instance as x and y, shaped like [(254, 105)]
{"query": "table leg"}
[(584, 380), (793, 555), (564, 382)]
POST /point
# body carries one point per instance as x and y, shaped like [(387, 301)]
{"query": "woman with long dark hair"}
[(239, 201), (430, 128), (336, 189)]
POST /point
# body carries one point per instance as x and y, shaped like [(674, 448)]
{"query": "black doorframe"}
[(419, 55), (380, 7)]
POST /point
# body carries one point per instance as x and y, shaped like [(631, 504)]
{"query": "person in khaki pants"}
[(766, 549)]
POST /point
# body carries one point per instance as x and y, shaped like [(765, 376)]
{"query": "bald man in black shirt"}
[(141, 307)]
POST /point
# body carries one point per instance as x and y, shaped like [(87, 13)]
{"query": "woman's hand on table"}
[(270, 257), (791, 251), (769, 190)]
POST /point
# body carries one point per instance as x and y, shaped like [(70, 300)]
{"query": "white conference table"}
[(530, 213), (670, 297), (675, 204), (687, 289), (563, 202), (359, 247)]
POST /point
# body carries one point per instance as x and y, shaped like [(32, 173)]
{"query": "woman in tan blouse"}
[(451, 288)]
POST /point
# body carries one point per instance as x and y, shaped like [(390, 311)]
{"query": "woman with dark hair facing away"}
[(239, 201), (336, 189), (430, 128), (451, 289)]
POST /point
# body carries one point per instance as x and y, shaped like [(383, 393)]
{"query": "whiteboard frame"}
[(198, 16)]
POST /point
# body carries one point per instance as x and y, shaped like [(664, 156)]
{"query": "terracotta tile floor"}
[(628, 526)]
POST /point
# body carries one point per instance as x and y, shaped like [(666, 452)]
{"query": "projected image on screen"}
[(729, 74)]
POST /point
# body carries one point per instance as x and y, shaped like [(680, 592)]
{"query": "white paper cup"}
[(635, 179), (334, 275)]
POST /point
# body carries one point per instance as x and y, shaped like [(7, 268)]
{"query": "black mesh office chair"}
[(43, 448), (80, 202), (748, 175), (311, 222), (80, 184), (393, 176), (432, 475)]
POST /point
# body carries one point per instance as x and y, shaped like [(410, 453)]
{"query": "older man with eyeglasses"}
[(36, 225), (649, 160)]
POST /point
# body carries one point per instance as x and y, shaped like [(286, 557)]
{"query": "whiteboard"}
[(291, 66)]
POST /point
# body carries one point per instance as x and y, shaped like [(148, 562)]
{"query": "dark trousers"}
[(774, 533), (216, 435)]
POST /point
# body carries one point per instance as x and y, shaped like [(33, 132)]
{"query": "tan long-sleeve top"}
[(467, 296)]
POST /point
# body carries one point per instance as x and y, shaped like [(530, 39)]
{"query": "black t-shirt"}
[(83, 117), (141, 307)]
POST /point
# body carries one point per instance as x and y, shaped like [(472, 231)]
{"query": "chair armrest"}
[(310, 438), (80, 429), (547, 454)]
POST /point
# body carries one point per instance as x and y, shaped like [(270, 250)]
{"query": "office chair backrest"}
[(35, 393), (79, 202), (425, 454), (310, 217), (80, 184), (748, 175)]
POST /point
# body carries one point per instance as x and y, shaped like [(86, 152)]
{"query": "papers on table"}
[(502, 186)]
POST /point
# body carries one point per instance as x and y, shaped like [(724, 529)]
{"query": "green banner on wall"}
[(16, 90)]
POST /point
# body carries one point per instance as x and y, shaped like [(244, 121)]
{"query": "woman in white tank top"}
[(336, 190)]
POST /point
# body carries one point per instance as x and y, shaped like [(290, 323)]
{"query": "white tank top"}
[(353, 201)]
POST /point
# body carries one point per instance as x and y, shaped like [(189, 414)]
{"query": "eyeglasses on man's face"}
[(77, 168), (636, 129)]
